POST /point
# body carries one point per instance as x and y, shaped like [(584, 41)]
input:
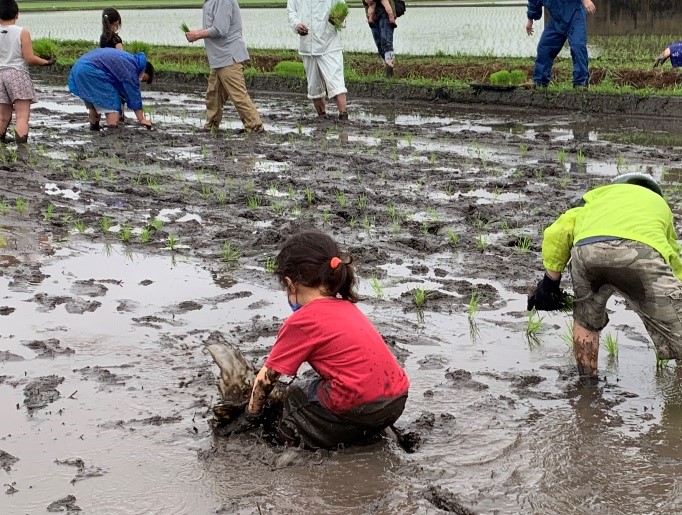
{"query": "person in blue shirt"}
[(102, 77), (672, 52), (567, 21)]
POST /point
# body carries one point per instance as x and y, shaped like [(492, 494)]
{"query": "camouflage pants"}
[(642, 277)]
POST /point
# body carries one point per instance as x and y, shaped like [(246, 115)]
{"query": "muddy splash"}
[(124, 250)]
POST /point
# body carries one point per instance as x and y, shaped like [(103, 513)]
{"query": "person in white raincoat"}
[(321, 51)]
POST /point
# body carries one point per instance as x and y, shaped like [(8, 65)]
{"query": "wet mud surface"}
[(121, 252)]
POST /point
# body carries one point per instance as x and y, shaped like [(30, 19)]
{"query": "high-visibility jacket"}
[(625, 211)]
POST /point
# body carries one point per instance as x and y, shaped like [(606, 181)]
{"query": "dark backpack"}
[(399, 8)]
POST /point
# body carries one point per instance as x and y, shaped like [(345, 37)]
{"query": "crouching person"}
[(620, 240), (361, 388), (104, 76), (672, 52)]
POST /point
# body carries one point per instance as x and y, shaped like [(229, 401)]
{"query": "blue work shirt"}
[(560, 10), (103, 75)]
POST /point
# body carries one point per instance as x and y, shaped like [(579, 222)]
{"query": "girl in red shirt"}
[(361, 388)]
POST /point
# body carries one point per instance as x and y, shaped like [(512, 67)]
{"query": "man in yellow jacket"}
[(621, 239)]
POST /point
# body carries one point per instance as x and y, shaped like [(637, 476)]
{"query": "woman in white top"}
[(16, 87)]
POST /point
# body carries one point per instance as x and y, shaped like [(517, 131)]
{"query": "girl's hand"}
[(50, 61)]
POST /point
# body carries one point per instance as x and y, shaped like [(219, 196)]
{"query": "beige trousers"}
[(228, 82)]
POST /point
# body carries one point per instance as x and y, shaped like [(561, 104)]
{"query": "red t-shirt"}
[(344, 348)]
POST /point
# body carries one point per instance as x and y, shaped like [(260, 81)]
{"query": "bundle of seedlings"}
[(45, 48), (184, 27), (338, 14)]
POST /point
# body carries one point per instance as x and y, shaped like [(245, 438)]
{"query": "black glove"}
[(244, 422), (660, 60), (548, 296), (50, 61)]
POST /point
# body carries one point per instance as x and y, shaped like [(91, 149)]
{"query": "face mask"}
[(294, 307)]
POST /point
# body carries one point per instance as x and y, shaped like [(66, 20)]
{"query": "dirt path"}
[(124, 249)]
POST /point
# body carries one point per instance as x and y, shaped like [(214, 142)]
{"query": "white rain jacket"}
[(322, 37)]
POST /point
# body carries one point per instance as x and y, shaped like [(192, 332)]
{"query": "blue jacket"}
[(560, 10), (103, 75)]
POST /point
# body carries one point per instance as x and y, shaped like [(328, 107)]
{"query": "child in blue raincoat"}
[(567, 22), (674, 53), (104, 75)]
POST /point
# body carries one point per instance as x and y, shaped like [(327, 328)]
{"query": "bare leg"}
[(320, 106), (23, 113), (586, 350), (341, 102), (112, 119), (93, 116), (5, 117)]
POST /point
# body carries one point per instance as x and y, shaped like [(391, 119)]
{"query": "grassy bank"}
[(609, 72)]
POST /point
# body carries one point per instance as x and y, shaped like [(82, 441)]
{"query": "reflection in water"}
[(635, 17)]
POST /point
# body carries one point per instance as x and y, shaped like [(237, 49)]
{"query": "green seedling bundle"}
[(338, 14)]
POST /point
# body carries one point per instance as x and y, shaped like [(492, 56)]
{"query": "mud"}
[(126, 251)]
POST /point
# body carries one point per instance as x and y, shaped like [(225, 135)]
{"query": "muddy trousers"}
[(553, 38), (382, 32), (228, 82)]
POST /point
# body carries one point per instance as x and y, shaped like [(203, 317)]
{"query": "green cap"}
[(639, 179)]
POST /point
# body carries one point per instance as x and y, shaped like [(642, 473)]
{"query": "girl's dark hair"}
[(306, 259), (109, 17), (9, 9)]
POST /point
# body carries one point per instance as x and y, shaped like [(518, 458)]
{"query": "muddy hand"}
[(547, 296), (662, 58), (301, 29), (236, 373)]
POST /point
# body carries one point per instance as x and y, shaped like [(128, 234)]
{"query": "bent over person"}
[(321, 51), (226, 52), (361, 388), (105, 76), (672, 52), (620, 240)]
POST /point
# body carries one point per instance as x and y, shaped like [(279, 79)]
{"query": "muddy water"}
[(102, 341)]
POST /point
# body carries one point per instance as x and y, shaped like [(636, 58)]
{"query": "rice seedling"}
[(523, 244), (580, 158), (172, 242), (394, 155), (533, 327), (523, 150), (135, 47), (362, 202), (126, 233), (392, 212), (299, 128), (253, 201), (567, 335), (66, 219), (408, 138), (563, 182), (424, 228), (156, 224), (146, 235), (453, 237), (561, 156), (221, 197), (481, 242), (378, 289), (620, 163), (270, 265), (105, 224), (433, 158), (341, 199), (474, 305), (338, 14), (184, 27), (4, 208), (610, 343), (309, 195), (206, 191), (352, 222), (449, 189), (21, 205), (661, 363), (49, 212), (45, 48), (419, 297), (326, 216), (231, 253), (367, 223), (97, 175), (79, 225)]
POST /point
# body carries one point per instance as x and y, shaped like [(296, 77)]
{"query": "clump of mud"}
[(66, 504), (446, 501), (42, 391), (7, 460), (48, 348)]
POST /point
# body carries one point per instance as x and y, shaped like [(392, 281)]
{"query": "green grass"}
[(289, 69), (45, 48)]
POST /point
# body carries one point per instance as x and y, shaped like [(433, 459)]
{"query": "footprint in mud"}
[(48, 348), (65, 504), (89, 288), (7, 460), (42, 391), (75, 306)]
